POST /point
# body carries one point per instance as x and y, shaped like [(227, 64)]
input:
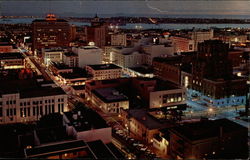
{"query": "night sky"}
[(120, 7)]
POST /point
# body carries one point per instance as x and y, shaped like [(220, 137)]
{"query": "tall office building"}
[(97, 32), (51, 32)]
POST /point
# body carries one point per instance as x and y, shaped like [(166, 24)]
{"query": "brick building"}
[(50, 32)]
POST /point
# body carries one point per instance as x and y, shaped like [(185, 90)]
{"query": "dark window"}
[(7, 102), (10, 102), (7, 112), (52, 100), (41, 110), (34, 111), (11, 112), (1, 103), (53, 108), (21, 104), (24, 103), (46, 110), (14, 102), (1, 111), (28, 111), (41, 102), (59, 109), (25, 113), (62, 107), (21, 112), (45, 101), (28, 103)]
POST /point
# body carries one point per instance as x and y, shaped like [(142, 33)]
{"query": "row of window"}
[(36, 110), (34, 102)]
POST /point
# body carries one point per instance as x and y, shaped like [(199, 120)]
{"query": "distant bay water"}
[(139, 25)]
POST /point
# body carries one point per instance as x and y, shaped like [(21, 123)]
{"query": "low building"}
[(109, 100), (218, 139), (182, 44), (126, 57), (155, 93), (88, 55), (62, 150), (169, 68), (78, 90), (156, 50), (142, 125), (25, 101), (52, 55), (58, 68), (85, 124), (161, 141), (139, 72), (77, 77), (70, 59), (12, 60), (104, 71)]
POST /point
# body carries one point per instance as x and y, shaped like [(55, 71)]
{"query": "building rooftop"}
[(77, 73), (88, 47), (206, 129), (100, 150), (109, 95), (104, 66), (60, 65), (165, 85), (147, 120), (142, 70), (11, 55), (85, 119), (59, 49), (27, 88), (69, 54), (55, 148)]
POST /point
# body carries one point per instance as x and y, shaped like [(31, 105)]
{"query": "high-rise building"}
[(50, 32), (211, 76), (97, 32)]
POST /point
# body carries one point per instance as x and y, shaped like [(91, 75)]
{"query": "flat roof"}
[(11, 55), (142, 70), (147, 120), (27, 88), (77, 73), (109, 95), (87, 120), (165, 85), (100, 150), (89, 47), (206, 129), (104, 66), (60, 65), (68, 54), (58, 148)]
